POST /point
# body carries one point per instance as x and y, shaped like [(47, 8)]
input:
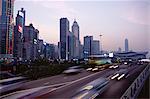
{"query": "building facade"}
[(126, 45), (87, 46), (6, 28), (40, 48), (81, 51), (64, 33), (95, 47), (50, 51), (30, 46), (130, 55), (70, 46), (18, 34), (76, 42)]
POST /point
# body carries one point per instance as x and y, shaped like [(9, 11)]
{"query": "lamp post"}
[(100, 43)]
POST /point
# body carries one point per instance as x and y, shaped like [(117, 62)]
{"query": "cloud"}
[(138, 13), (59, 8)]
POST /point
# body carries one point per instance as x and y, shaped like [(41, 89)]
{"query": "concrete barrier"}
[(134, 89)]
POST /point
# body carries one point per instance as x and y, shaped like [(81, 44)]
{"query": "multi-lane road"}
[(66, 86), (115, 89)]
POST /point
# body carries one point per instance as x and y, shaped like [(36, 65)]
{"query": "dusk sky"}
[(114, 19)]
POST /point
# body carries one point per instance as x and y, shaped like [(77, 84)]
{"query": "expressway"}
[(69, 90), (66, 86), (54, 80), (115, 89)]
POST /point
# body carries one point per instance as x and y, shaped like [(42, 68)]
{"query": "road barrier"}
[(134, 89)]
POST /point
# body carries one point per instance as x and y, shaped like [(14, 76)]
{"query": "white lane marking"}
[(121, 76), (85, 77), (46, 83), (65, 84), (22, 93), (65, 77), (113, 77), (72, 82)]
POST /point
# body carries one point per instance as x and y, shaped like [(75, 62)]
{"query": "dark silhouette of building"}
[(88, 46), (18, 34), (30, 48), (95, 47), (126, 45), (64, 32)]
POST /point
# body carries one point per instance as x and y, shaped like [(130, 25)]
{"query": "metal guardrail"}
[(134, 89)]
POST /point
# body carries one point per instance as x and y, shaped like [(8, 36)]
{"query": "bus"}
[(99, 60)]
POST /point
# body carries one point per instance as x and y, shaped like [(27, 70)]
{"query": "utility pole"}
[(100, 43)]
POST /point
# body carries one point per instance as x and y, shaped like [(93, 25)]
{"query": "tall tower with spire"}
[(126, 45), (75, 31)]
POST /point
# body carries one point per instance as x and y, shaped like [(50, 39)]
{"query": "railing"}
[(134, 89)]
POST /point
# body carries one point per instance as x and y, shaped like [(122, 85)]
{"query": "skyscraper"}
[(81, 51), (75, 31), (6, 27), (50, 51), (95, 47), (87, 46), (119, 49), (64, 32), (30, 48), (41, 48), (126, 45), (18, 35), (71, 46)]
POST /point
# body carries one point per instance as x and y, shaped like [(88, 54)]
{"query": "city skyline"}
[(127, 19)]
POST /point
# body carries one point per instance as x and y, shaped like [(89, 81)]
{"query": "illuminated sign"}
[(21, 14), (111, 55), (20, 29)]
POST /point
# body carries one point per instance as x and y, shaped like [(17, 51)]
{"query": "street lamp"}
[(100, 44)]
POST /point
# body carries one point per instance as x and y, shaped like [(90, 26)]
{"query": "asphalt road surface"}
[(58, 79), (115, 89), (66, 86), (69, 90)]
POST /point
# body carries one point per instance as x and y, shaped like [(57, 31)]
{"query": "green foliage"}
[(43, 68)]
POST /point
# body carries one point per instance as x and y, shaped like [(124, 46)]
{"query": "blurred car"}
[(89, 69), (113, 66), (10, 82), (92, 89), (125, 63), (73, 70), (122, 73), (95, 69)]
